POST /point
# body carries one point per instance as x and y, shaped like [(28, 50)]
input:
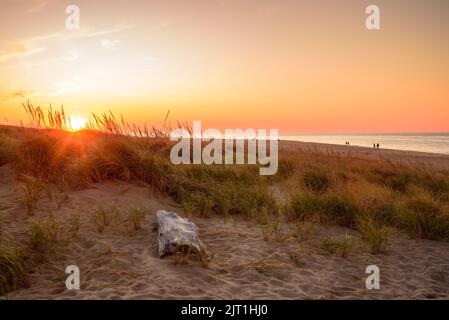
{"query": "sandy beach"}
[(423, 159), (123, 264)]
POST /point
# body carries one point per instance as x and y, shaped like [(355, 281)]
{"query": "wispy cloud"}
[(18, 94), (44, 37), (18, 52), (115, 29), (36, 44), (68, 57), (81, 34)]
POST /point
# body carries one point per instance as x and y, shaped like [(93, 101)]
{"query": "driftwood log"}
[(177, 233)]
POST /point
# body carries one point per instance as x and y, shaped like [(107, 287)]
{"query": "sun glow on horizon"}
[(77, 123)]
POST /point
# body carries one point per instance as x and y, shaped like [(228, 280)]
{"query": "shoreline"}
[(289, 143), (417, 158)]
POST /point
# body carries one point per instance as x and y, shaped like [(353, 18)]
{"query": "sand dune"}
[(119, 264)]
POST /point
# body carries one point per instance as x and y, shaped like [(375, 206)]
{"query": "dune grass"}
[(103, 217), (275, 229), (8, 146), (371, 196), (32, 190), (13, 271), (44, 234), (332, 208), (426, 218), (327, 188), (375, 235), (184, 254), (74, 224), (338, 247), (135, 218), (317, 180)]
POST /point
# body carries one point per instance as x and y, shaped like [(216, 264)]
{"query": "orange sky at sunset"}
[(300, 66)]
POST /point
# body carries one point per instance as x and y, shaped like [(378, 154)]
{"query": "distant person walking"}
[(377, 146)]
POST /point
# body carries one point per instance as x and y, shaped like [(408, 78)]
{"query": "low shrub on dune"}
[(317, 180), (437, 184), (155, 171), (396, 177), (373, 233), (249, 201), (333, 208), (46, 156), (341, 209), (379, 203), (243, 175), (112, 159), (305, 206), (425, 217), (38, 157), (227, 199)]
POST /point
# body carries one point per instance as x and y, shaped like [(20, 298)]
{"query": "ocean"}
[(424, 142)]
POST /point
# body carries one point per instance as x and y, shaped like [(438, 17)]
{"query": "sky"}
[(297, 66)]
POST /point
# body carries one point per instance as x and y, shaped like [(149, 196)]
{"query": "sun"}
[(77, 123)]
